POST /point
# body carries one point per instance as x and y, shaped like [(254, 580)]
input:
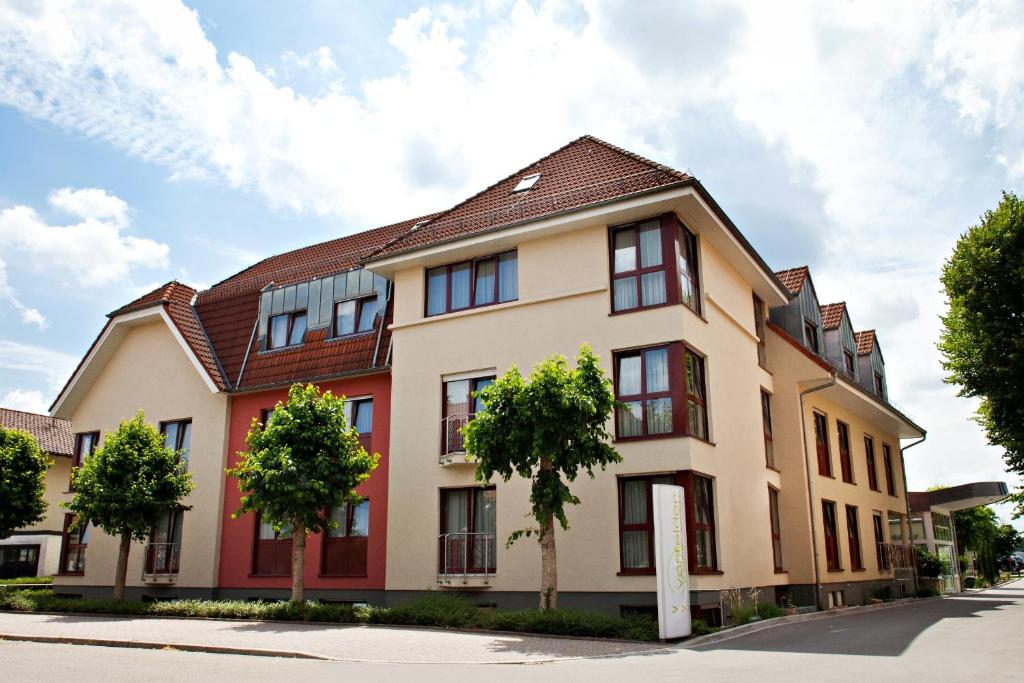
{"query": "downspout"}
[(380, 330), (818, 587), (906, 500)]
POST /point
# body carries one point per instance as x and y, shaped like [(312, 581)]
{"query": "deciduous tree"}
[(306, 460), (127, 485), (22, 481), (547, 429)]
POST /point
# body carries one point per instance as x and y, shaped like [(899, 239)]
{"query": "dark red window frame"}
[(80, 457), (869, 457), (288, 342), (452, 439), (830, 526), (676, 240), (776, 528), (360, 302), (890, 475), (845, 461), (179, 437), (344, 553), (681, 390), (471, 513), (357, 404), (880, 553), (271, 556), (759, 332), (73, 544), (473, 267), (766, 422), (647, 526), (853, 536), (821, 444), (168, 560)]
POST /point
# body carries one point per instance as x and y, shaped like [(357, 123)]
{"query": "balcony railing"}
[(161, 560), (464, 556), (453, 441)]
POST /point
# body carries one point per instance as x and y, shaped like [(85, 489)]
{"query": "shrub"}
[(926, 592), (929, 565), (21, 580), (444, 610), (769, 610), (741, 614)]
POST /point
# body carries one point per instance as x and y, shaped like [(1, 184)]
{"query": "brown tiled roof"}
[(585, 171), (230, 308), (865, 341), (794, 278), (52, 434), (832, 315)]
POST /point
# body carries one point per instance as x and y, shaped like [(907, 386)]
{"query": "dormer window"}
[(811, 335), (287, 329), (879, 385), (354, 316), (848, 361), (526, 183)]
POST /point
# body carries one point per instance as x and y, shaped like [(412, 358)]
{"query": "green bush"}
[(929, 565), (926, 592), (440, 610), (21, 580), (700, 628), (741, 614), (769, 610)]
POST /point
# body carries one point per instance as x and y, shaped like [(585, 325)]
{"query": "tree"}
[(127, 485), (303, 462), (546, 429), (983, 337), (22, 481)]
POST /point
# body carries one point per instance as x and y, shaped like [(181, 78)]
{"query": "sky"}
[(143, 142)]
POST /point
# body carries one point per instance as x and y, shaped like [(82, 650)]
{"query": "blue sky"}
[(141, 142)]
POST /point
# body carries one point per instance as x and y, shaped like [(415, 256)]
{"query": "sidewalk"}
[(312, 641)]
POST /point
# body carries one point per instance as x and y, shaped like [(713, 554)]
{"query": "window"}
[(917, 528), (272, 555), (869, 453), (762, 351), (178, 437), (890, 477), (641, 254), (286, 329), (879, 386), (642, 385), (773, 512), (359, 414), (482, 282), (821, 442), (73, 549), (689, 281), (164, 549), (19, 560), (85, 445), (526, 183), (828, 516), (896, 527), (853, 536), (345, 547), (636, 522), (811, 335), (766, 419), (265, 415), (941, 527), (845, 463), (354, 316), (849, 363), (882, 555), (461, 403), (703, 513), (696, 403), (468, 526)]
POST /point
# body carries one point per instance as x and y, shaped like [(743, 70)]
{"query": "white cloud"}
[(93, 252), (52, 367), (27, 400)]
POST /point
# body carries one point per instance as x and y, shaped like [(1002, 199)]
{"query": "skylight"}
[(526, 183)]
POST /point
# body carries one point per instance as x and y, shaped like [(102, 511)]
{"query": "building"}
[(733, 383), (36, 550), (931, 522)]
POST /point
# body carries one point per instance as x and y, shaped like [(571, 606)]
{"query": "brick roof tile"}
[(794, 278), (832, 315), (865, 341), (53, 435)]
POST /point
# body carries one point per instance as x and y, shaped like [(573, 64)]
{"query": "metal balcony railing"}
[(464, 555), (161, 560), (453, 442)]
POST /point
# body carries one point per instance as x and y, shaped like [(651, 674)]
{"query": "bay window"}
[(661, 392), (345, 546), (470, 284), (642, 273)]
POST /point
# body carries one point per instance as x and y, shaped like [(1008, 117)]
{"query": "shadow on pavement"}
[(885, 633)]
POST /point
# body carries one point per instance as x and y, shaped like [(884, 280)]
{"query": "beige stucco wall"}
[(150, 371), (563, 301), (57, 479)]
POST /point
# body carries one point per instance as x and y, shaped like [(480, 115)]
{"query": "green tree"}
[(303, 462), (22, 481), (127, 485), (983, 337), (546, 429)]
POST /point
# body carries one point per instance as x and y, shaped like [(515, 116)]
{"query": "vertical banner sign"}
[(670, 561)]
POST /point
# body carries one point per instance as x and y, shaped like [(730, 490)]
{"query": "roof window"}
[(526, 183)]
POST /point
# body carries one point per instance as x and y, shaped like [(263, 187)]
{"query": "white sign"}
[(670, 561)]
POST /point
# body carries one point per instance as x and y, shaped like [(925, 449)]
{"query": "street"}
[(974, 636)]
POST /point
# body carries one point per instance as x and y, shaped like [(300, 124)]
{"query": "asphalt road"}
[(964, 638)]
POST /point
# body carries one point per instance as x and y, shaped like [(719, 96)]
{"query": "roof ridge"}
[(633, 155)]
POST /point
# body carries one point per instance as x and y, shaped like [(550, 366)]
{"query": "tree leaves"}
[(22, 481)]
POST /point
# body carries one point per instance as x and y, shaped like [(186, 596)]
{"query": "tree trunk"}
[(548, 560), (548, 564), (121, 576), (298, 562)]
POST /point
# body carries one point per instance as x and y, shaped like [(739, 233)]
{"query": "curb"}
[(748, 629), (149, 645)]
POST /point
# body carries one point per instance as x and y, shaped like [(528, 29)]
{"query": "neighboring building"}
[(310, 315), (152, 355), (35, 550), (931, 522)]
